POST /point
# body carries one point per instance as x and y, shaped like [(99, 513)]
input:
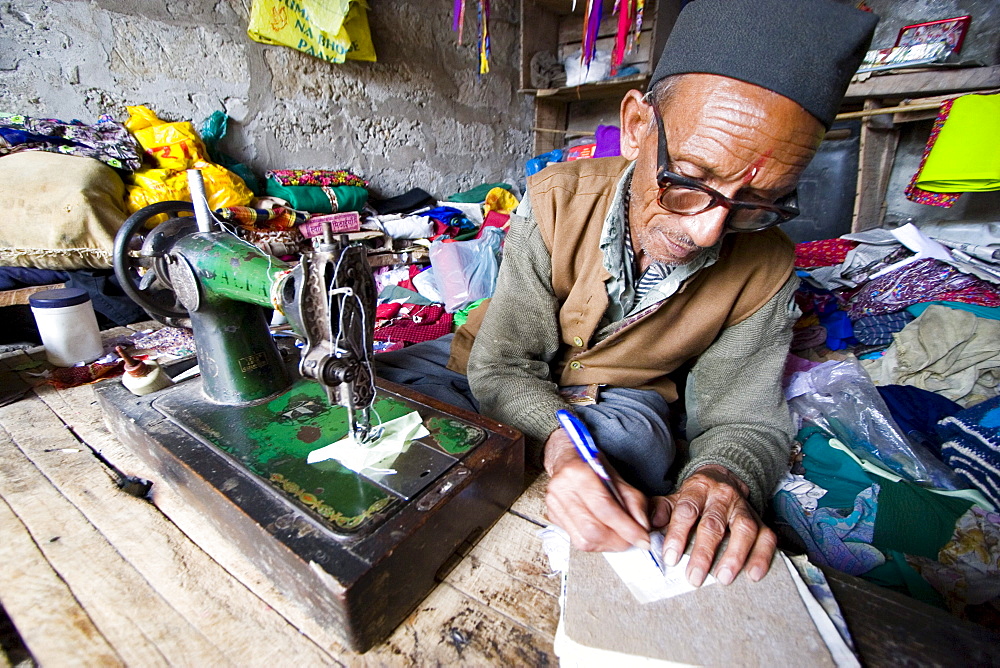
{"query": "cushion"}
[(59, 211)]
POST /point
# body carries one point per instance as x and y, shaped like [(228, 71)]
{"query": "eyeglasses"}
[(688, 197)]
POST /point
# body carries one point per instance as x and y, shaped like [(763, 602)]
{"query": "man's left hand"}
[(713, 501)]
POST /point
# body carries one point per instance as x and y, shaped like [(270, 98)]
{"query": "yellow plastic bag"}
[(326, 29), (169, 145), (175, 148), (356, 25), (222, 187)]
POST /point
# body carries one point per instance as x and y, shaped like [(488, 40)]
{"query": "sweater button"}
[(577, 341), (575, 365)]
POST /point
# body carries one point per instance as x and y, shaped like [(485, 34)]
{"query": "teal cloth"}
[(477, 194), (915, 521), (395, 293), (908, 519), (832, 470), (991, 312), (315, 200)]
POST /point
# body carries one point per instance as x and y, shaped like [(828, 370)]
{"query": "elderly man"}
[(620, 275)]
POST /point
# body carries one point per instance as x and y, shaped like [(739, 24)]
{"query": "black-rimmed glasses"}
[(689, 197)]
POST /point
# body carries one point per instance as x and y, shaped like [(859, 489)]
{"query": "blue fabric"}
[(12, 278), (423, 367), (835, 538), (839, 330), (917, 412), (449, 216), (877, 330), (540, 162), (971, 446)]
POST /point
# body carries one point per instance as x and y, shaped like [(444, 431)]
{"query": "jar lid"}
[(58, 298)]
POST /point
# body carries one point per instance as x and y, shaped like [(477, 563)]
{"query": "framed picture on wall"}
[(951, 31)]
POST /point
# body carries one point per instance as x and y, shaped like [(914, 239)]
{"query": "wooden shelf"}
[(924, 83), (595, 90), (552, 26)]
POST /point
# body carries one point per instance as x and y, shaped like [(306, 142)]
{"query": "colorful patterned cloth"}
[(920, 281), (107, 141), (915, 194), (840, 539), (822, 253), (315, 177), (967, 569)]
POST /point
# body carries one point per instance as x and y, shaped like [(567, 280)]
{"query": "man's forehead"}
[(727, 126)]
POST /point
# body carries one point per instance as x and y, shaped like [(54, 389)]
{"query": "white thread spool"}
[(68, 326)]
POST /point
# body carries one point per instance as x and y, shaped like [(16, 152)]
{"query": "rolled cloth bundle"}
[(806, 50)]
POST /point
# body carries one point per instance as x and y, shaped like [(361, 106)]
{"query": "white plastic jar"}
[(68, 326)]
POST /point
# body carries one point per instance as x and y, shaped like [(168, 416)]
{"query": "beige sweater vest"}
[(570, 202)]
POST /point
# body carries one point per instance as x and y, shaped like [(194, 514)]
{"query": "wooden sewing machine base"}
[(357, 553)]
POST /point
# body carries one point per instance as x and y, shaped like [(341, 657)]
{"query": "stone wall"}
[(419, 117)]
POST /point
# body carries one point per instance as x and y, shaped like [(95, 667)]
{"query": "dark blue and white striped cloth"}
[(971, 446)]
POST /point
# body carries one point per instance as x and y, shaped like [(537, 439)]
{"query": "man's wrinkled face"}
[(744, 141)]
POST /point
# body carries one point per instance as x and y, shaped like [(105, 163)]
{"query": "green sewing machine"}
[(355, 551)]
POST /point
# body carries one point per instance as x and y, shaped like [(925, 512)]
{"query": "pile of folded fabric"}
[(894, 379)]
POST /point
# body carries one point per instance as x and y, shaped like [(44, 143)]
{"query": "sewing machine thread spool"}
[(68, 326)]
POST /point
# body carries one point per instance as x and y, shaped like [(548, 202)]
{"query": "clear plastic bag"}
[(840, 398), (465, 271)]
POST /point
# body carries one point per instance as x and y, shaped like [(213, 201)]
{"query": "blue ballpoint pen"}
[(585, 446)]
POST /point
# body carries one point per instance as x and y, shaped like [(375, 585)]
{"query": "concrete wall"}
[(419, 117)]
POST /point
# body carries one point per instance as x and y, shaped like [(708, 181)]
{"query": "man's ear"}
[(635, 123)]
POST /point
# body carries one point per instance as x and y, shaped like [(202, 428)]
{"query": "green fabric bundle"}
[(966, 156), (315, 199)]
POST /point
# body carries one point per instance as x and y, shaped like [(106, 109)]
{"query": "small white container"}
[(68, 326)]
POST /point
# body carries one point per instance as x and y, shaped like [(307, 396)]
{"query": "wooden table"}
[(90, 575)]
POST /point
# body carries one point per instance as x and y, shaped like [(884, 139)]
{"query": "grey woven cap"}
[(806, 50)]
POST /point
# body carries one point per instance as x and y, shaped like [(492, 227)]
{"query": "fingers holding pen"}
[(577, 501)]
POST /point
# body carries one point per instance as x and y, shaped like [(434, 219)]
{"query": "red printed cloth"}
[(915, 194), (823, 253), (411, 323), (408, 282), (66, 377)]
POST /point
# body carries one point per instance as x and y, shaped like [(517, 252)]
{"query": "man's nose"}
[(706, 228)]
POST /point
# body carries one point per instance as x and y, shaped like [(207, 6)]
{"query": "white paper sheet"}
[(356, 456)]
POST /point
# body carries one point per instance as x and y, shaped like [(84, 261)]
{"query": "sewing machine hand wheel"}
[(140, 259)]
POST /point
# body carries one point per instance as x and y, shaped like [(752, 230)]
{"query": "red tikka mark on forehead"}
[(755, 167)]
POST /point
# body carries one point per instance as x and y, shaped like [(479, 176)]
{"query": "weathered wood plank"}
[(915, 84), (177, 569), (77, 406), (448, 628), (531, 504), (49, 619), (508, 572), (133, 617)]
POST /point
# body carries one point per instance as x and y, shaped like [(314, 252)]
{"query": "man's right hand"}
[(577, 501)]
